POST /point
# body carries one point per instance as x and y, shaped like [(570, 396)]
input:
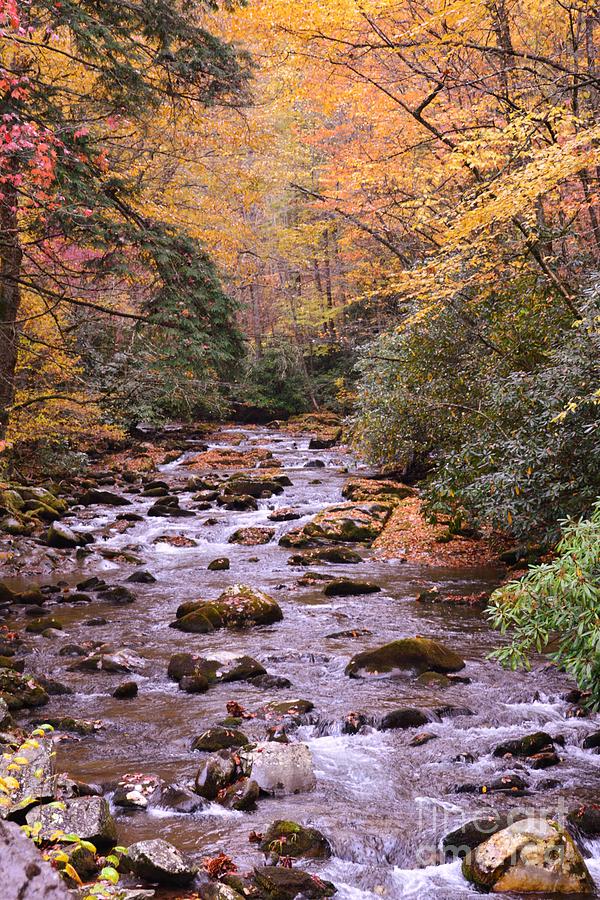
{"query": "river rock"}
[(21, 690), (347, 587), (458, 842), (36, 779), (284, 514), (219, 738), (137, 791), (592, 741), (220, 564), (126, 691), (285, 838), (405, 717), (416, 654), (241, 796), (586, 819), (251, 537), (60, 535), (103, 498), (238, 504), (25, 874), (256, 487), (87, 817), (160, 862), (341, 555), (216, 774), (279, 883), (141, 577), (529, 745), (532, 855), (282, 768), (238, 606), (349, 522)]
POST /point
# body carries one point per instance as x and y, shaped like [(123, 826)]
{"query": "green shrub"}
[(556, 607)]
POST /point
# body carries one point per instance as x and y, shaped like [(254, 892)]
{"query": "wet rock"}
[(282, 768), (286, 838), (126, 691), (215, 775), (529, 745), (271, 682), (416, 654), (342, 555), (159, 862), (60, 535), (506, 784), (103, 498), (69, 724), (21, 690), (25, 874), (178, 799), (314, 464), (194, 684), (346, 587), (96, 621), (87, 817), (141, 577), (237, 504), (228, 669), (458, 842), (137, 791), (278, 883), (36, 778), (349, 633), (532, 855), (349, 522), (251, 537), (242, 795), (29, 598), (238, 606), (290, 707), (119, 661), (434, 679), (91, 584), (220, 564), (592, 741), (585, 819), (284, 514), (118, 596), (218, 738), (38, 626), (252, 487), (52, 687), (404, 718)]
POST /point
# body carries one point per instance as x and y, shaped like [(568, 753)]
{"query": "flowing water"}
[(383, 804)]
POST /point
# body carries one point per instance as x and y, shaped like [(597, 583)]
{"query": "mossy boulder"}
[(285, 838), (378, 489), (349, 522), (529, 745), (530, 856), (23, 690), (256, 487), (238, 606), (219, 738), (416, 654), (335, 555), (220, 564)]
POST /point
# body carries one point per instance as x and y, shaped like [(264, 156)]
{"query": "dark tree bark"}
[(11, 257)]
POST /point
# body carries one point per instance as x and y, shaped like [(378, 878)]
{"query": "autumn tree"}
[(80, 86)]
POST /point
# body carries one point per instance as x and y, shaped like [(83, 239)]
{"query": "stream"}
[(383, 804)]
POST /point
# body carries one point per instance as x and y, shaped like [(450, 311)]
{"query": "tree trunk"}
[(11, 256)]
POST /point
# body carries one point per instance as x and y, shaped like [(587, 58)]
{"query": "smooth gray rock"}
[(159, 862), (25, 875)]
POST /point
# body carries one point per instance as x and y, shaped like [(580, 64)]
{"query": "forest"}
[(299, 448)]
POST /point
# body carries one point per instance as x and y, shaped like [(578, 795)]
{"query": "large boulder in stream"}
[(103, 498), (157, 861), (378, 489), (416, 654), (532, 855), (237, 607), (21, 690), (226, 668), (25, 874), (349, 522), (281, 768), (87, 817), (251, 537), (219, 738)]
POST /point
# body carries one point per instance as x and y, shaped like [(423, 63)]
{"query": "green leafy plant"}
[(555, 608)]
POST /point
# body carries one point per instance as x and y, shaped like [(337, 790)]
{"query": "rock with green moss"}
[(237, 607), (285, 838), (252, 486), (38, 626), (416, 655), (533, 855), (219, 738), (348, 587), (341, 555), (227, 668), (23, 690), (383, 490), (350, 522)]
